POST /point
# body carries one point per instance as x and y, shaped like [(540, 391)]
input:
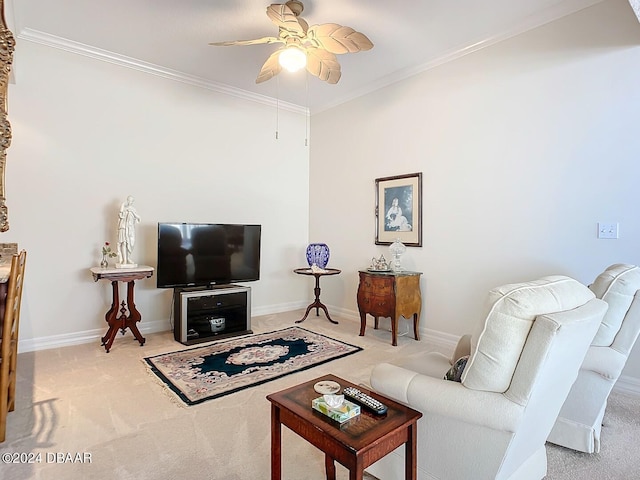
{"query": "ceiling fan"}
[(314, 47)]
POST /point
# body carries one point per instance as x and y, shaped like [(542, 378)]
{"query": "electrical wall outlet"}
[(607, 230)]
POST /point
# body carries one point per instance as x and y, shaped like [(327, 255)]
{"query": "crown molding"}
[(46, 39), (533, 21), (541, 18)]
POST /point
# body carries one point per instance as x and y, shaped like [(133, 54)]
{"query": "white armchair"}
[(580, 420), (523, 359)]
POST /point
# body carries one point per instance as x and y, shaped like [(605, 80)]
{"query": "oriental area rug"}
[(199, 374)]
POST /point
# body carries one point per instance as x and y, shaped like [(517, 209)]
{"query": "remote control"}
[(365, 400)]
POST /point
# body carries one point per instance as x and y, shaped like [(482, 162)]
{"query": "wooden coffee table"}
[(355, 444)]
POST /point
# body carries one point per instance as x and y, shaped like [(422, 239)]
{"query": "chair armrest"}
[(446, 398), (605, 361), (433, 364), (392, 381)]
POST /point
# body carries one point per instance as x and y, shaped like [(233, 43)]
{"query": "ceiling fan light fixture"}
[(314, 47), (292, 58)]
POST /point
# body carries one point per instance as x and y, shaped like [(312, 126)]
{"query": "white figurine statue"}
[(127, 219)]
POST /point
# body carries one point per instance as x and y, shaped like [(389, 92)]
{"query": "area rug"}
[(199, 374)]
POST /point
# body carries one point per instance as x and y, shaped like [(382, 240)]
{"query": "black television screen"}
[(203, 254)]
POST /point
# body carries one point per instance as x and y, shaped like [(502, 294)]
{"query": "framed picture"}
[(399, 210)]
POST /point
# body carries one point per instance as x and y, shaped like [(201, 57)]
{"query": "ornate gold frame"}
[(7, 45)]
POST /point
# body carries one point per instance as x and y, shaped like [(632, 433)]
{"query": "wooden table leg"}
[(330, 467), (363, 323), (394, 331), (357, 473), (123, 321), (134, 315), (306, 314), (416, 317), (276, 442), (326, 312), (410, 454), (316, 292), (317, 304), (112, 318)]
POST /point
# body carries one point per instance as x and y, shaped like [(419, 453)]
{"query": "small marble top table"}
[(124, 321), (316, 303)]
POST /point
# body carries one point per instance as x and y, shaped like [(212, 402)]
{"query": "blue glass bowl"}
[(318, 253)]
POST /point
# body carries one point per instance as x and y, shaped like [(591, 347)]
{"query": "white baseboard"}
[(87, 336), (280, 308), (146, 326), (628, 385), (444, 341)]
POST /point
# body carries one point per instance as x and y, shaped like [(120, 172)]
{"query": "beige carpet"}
[(82, 403), (618, 457)]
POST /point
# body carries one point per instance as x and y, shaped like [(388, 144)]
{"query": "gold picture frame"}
[(7, 46), (399, 210)]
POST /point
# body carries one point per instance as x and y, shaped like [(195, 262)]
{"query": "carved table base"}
[(122, 315), (317, 304)]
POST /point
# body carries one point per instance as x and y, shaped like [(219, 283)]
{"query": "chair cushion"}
[(498, 343), (617, 286)]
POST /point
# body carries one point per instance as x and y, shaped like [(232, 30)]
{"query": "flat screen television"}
[(207, 254)]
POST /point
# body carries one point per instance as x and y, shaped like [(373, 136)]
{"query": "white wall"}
[(88, 133), (523, 147)]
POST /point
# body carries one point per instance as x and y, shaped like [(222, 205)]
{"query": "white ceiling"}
[(170, 37)]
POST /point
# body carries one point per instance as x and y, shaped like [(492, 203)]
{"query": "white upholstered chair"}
[(580, 420), (493, 424)]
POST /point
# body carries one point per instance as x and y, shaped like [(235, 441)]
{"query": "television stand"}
[(211, 313)]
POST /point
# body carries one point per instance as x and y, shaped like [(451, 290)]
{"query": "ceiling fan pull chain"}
[(306, 113), (277, 106)]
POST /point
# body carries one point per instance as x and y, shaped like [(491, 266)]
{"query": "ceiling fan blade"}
[(248, 42), (303, 23), (284, 18), (338, 39), (270, 68), (323, 64)]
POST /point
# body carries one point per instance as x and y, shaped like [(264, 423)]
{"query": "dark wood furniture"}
[(126, 319), (389, 294), (356, 443), (317, 304)]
